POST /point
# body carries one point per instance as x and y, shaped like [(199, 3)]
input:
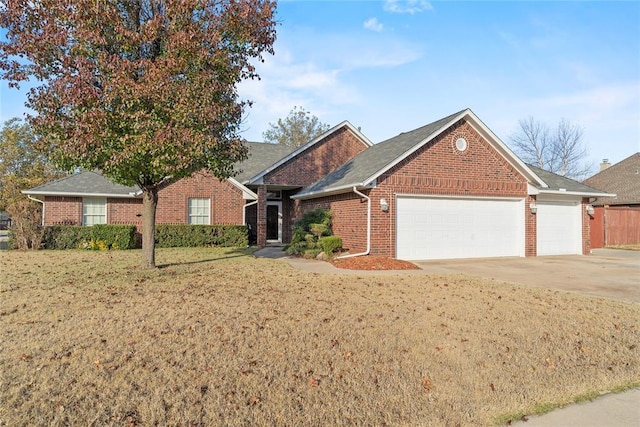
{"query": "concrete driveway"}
[(606, 273)]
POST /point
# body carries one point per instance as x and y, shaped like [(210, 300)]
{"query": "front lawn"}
[(216, 337)]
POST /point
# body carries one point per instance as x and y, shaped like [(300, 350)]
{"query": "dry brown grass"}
[(634, 247), (220, 338)]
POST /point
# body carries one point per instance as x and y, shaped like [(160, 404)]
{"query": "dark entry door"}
[(272, 222)]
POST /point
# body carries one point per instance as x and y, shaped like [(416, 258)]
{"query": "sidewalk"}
[(611, 410)]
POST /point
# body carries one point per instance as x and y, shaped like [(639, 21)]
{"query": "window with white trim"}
[(94, 211), (198, 211)]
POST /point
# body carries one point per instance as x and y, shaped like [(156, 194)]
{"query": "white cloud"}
[(603, 98), (324, 75), (373, 24), (407, 6)]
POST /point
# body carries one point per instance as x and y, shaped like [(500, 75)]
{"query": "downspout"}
[(368, 227), (244, 211), (39, 201)]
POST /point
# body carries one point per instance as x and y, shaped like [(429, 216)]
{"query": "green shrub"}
[(330, 244), (185, 235), (97, 237), (114, 237), (312, 253), (65, 236), (309, 233), (302, 227), (296, 249)]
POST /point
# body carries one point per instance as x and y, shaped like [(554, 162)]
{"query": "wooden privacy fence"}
[(615, 225)]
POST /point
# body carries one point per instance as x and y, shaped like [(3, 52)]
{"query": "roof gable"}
[(623, 179), (257, 179), (364, 169)]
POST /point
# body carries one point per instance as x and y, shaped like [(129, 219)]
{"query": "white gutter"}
[(39, 201), (244, 211), (368, 227), (575, 193)]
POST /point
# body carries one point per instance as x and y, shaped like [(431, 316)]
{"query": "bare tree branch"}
[(560, 151)]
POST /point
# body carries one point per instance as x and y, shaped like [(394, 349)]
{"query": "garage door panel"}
[(559, 228), (443, 228)]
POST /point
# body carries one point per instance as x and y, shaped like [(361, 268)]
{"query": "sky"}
[(390, 66)]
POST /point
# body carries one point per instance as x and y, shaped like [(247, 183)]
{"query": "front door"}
[(274, 222)]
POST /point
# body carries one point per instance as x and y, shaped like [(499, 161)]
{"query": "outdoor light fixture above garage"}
[(384, 205), (534, 208)]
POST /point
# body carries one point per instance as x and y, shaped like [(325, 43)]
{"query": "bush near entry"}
[(312, 234)]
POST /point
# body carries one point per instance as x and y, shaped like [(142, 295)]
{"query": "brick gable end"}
[(317, 161)]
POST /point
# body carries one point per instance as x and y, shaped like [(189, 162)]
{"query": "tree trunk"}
[(149, 204)]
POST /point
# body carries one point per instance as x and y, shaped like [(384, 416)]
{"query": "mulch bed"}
[(369, 262)]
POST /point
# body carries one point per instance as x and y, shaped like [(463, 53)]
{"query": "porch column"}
[(261, 232)]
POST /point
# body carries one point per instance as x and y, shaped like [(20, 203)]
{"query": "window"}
[(198, 211), (94, 211)]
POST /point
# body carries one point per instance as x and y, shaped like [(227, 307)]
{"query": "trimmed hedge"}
[(175, 236), (97, 237), (112, 237)]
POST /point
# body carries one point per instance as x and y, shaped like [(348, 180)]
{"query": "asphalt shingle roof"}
[(623, 179), (374, 159), (261, 156), (557, 182), (85, 182)]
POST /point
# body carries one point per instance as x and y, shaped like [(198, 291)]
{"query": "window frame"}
[(93, 202), (191, 215)]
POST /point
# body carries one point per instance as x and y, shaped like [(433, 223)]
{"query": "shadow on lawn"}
[(234, 253)]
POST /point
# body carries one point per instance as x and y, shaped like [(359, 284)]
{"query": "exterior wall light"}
[(590, 210), (534, 208), (384, 205)]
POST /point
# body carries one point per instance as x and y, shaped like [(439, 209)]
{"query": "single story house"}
[(616, 220), (450, 189)]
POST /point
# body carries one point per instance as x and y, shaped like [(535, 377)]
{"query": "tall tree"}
[(298, 128), (560, 150), (143, 90), (22, 166)]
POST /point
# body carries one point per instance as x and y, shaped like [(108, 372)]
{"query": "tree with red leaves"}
[(142, 90)]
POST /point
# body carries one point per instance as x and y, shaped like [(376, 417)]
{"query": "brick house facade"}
[(433, 167), (370, 189)]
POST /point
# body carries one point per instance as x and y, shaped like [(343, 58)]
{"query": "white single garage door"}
[(559, 228), (444, 228)]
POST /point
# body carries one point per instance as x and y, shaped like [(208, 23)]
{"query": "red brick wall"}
[(226, 200), (586, 233), (317, 161), (62, 210), (124, 211), (530, 228), (226, 204)]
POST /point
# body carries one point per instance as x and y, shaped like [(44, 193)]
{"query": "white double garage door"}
[(446, 228)]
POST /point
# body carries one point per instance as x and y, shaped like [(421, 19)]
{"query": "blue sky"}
[(391, 66)]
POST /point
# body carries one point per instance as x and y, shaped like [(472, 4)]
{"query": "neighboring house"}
[(450, 189), (616, 220)]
